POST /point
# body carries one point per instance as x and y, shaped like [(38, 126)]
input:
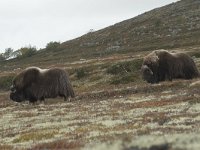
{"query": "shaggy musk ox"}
[(160, 65), (37, 84)]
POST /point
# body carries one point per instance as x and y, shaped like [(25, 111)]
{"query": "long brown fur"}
[(37, 84), (161, 65)]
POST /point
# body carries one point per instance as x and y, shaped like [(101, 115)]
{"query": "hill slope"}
[(170, 26), (174, 25)]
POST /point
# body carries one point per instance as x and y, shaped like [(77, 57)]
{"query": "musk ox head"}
[(149, 68), (37, 84), (22, 82), (16, 96), (147, 74)]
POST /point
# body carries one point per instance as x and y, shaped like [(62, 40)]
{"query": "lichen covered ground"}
[(166, 115)]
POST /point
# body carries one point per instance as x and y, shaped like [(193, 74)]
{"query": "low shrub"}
[(80, 73), (125, 67), (27, 52), (6, 82), (194, 54), (59, 144), (125, 79), (53, 46), (125, 72)]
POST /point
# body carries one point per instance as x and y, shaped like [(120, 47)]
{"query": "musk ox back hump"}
[(185, 66), (55, 82)]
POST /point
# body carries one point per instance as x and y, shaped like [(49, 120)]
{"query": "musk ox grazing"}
[(160, 65), (37, 84)]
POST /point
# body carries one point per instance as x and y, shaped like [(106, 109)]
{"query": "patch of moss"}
[(2, 146), (59, 144), (35, 136), (194, 101), (124, 79), (81, 73), (194, 54)]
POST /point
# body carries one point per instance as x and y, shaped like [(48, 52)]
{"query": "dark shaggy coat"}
[(161, 65), (37, 84)]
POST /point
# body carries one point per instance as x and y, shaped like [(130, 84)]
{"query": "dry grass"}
[(59, 144), (103, 113), (35, 136)]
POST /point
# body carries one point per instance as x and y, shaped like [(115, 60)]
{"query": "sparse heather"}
[(105, 115)]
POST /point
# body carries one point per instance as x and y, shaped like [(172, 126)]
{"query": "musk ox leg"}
[(67, 98), (170, 78), (33, 100), (156, 79), (169, 75), (42, 99)]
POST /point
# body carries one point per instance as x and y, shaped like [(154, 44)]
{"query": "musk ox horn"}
[(37, 84), (146, 69)]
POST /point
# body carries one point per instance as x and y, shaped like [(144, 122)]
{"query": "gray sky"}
[(37, 22)]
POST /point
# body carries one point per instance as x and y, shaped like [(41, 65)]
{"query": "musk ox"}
[(37, 84), (160, 65)]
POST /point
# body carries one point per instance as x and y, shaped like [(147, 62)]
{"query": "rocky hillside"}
[(171, 26), (174, 25)]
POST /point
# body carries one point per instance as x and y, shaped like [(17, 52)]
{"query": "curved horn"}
[(145, 68)]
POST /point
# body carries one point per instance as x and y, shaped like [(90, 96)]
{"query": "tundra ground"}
[(135, 115)]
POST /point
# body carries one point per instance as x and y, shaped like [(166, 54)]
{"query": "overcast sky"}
[(37, 22)]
